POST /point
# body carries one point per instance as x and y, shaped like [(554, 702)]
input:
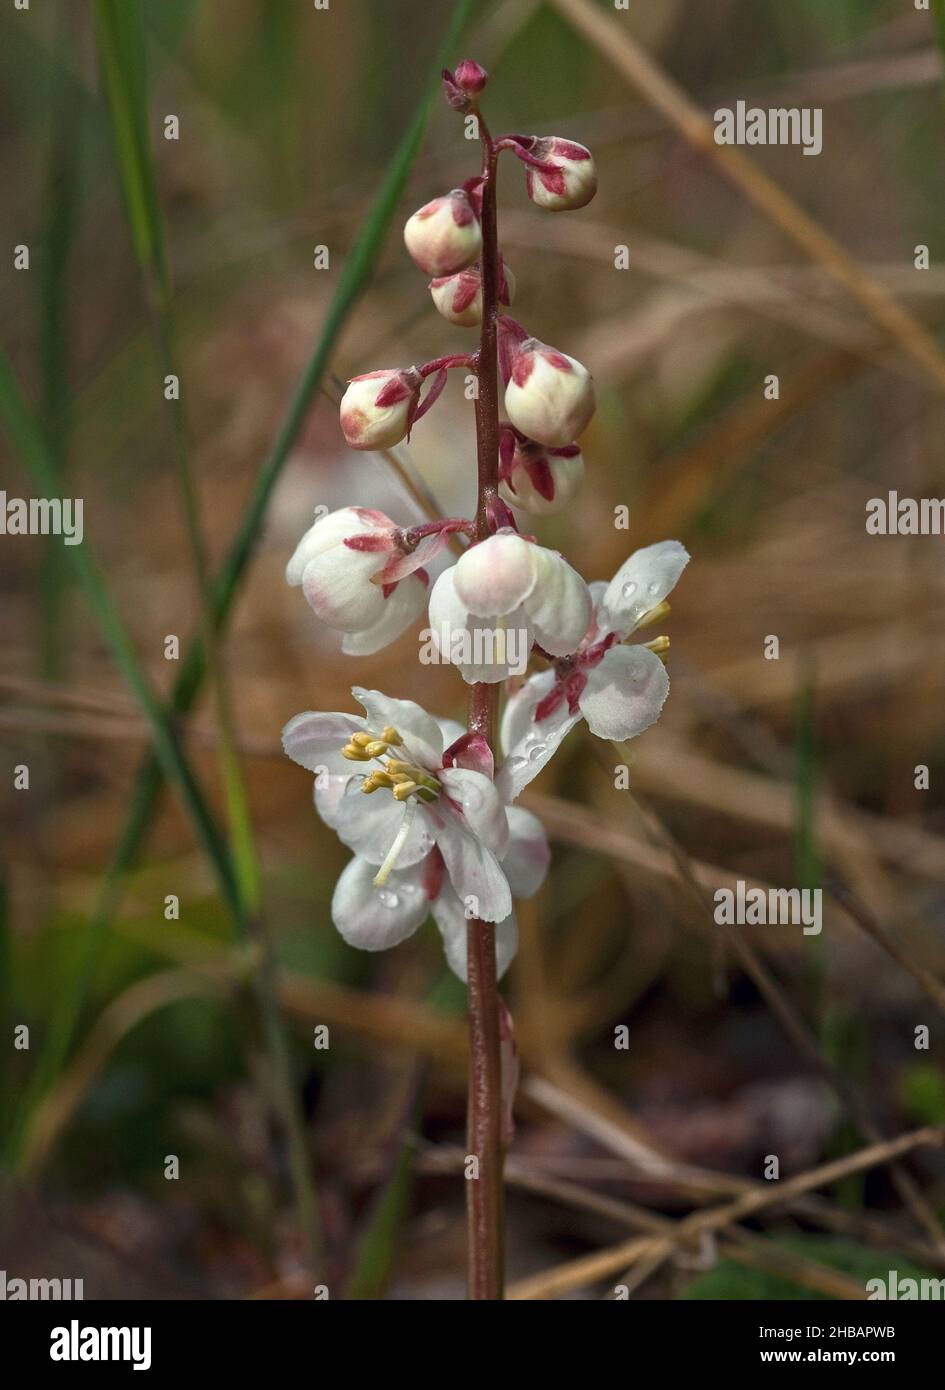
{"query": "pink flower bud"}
[(445, 235), (549, 396), (541, 480), (459, 297), (377, 408), (564, 176), (471, 77)]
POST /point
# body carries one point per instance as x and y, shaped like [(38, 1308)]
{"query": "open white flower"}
[(359, 577), (619, 690), (424, 793), (504, 594), (373, 918)]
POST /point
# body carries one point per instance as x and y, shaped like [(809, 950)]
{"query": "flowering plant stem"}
[(483, 1122)]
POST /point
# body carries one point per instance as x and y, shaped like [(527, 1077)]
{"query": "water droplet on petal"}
[(536, 751), (629, 590), (388, 897), (472, 798), (653, 588)]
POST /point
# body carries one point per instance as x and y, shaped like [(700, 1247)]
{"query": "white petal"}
[(328, 531), (560, 606), (401, 608), (451, 729), (640, 584), (482, 808), (529, 745), (526, 860), (310, 737), (625, 693), (497, 575), (474, 871), (450, 917), (375, 918), (337, 585), (368, 824), (473, 645), (423, 742)]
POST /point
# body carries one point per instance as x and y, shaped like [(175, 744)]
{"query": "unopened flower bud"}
[(549, 396), (564, 176), (445, 235), (471, 77), (377, 408), (459, 297), (464, 85), (541, 480)]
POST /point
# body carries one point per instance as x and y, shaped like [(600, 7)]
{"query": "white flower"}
[(549, 396), (377, 409), (561, 174), (444, 235), (373, 918), (619, 690), (358, 575), (535, 478), (397, 752), (434, 836), (504, 594), (459, 297)]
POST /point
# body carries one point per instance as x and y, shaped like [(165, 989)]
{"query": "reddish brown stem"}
[(483, 1123)]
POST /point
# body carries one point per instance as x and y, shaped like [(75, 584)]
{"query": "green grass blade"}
[(30, 446), (119, 38), (354, 277)]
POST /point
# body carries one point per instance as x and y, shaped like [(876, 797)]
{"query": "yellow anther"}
[(357, 755), (362, 740), (390, 735), (398, 778), (369, 785), (399, 768), (659, 645), (654, 615), (381, 779), (375, 748), (403, 790)]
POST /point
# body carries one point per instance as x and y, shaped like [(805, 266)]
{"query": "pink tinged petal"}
[(373, 919), (337, 585), (529, 744), (497, 575), (526, 860), (450, 916), (486, 649), (423, 741), (432, 874), (402, 608), (560, 607), (477, 805), (625, 693), (641, 582), (311, 738), (369, 825), (471, 751), (331, 530), (473, 870)]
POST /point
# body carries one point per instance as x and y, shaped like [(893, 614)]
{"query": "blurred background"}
[(190, 1030)]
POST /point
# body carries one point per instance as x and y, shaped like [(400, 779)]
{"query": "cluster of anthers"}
[(449, 841)]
